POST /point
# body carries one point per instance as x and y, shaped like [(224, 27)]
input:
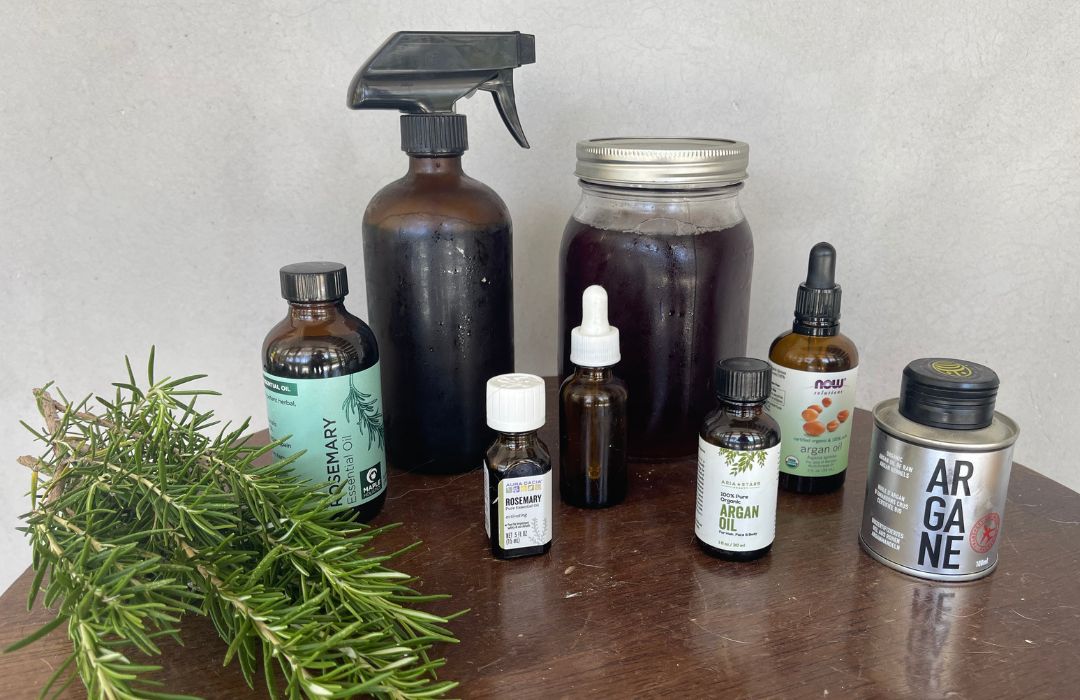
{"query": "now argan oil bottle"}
[(814, 368), (323, 390)]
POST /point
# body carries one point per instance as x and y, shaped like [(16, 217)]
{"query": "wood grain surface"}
[(625, 605)]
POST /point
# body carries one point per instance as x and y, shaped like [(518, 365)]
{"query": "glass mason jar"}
[(660, 228)]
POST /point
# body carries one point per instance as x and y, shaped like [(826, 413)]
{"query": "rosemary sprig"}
[(140, 516)]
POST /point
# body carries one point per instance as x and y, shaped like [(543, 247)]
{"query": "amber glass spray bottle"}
[(592, 412), (813, 386)]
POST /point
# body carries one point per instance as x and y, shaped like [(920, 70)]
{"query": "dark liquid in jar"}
[(680, 302)]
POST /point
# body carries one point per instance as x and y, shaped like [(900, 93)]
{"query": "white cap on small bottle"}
[(515, 403), (594, 343)]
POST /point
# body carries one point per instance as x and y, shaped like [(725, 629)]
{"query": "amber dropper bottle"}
[(813, 387), (592, 412)]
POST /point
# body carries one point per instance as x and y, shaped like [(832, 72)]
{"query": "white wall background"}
[(160, 161)]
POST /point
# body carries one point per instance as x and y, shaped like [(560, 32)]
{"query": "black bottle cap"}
[(308, 282), (817, 305), (742, 380), (945, 393), (434, 134)]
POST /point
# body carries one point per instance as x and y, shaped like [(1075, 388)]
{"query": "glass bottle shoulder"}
[(326, 345), (518, 457), (758, 432), (814, 353), (580, 390), (429, 195)]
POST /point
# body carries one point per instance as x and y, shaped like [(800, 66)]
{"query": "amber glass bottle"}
[(738, 458), (323, 389), (592, 412), (813, 395)]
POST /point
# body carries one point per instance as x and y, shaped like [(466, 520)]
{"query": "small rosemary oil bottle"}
[(517, 469), (323, 390), (738, 465)]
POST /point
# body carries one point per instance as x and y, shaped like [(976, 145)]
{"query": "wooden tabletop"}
[(626, 605)]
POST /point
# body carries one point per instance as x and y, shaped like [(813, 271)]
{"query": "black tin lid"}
[(742, 380), (314, 282), (947, 393)]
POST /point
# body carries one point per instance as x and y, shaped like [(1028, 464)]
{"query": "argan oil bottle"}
[(738, 456), (592, 412), (323, 392), (517, 469), (813, 383)]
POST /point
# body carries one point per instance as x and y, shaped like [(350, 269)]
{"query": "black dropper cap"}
[(945, 393), (742, 380), (309, 282), (817, 305)]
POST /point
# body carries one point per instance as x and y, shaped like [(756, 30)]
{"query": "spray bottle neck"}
[(435, 165)]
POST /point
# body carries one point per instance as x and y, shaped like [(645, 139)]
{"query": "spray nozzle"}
[(595, 343), (426, 73), (817, 304)]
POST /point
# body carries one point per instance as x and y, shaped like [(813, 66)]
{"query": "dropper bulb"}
[(594, 311), (595, 343), (821, 273)]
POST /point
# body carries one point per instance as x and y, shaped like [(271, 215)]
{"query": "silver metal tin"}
[(935, 498)]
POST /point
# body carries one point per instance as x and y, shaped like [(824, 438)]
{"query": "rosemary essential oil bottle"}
[(813, 393), (738, 465), (592, 412), (321, 376), (517, 469)]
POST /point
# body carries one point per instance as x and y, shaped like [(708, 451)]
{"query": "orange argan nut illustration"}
[(833, 425), (826, 402), (809, 415), (814, 428), (842, 416), (815, 407)]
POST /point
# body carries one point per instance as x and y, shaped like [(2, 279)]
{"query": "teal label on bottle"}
[(338, 422)]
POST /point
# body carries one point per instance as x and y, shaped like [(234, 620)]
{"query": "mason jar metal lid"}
[(662, 163)]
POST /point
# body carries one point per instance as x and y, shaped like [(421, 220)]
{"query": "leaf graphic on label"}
[(742, 461), (368, 415)]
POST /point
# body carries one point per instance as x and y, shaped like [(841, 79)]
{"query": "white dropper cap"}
[(594, 343), (515, 403)]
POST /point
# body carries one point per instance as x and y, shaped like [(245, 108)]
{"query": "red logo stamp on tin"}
[(984, 533)]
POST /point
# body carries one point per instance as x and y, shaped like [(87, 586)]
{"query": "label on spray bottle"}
[(736, 497), (814, 410), (338, 421)]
